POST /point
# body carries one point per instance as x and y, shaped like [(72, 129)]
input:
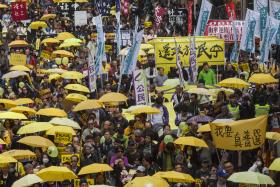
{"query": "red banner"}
[(19, 11), (159, 12), (223, 29), (230, 9), (190, 4)]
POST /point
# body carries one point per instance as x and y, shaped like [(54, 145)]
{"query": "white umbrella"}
[(14, 74), (65, 122), (27, 180)]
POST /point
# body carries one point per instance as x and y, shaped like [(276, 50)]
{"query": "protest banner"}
[(61, 137), (66, 10), (19, 11), (177, 16), (235, 50), (17, 59), (261, 6), (80, 18), (45, 54), (103, 6), (192, 61), (108, 48), (239, 135), (77, 182), (190, 16), (118, 29), (249, 31), (100, 45), (223, 29), (67, 158), (203, 18), (208, 49), (140, 87), (275, 12)]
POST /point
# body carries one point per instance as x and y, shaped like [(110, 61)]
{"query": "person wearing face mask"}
[(45, 160), (259, 167)]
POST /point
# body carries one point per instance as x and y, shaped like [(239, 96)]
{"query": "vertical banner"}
[(234, 54), (203, 18), (19, 11), (159, 12), (271, 28), (118, 29), (130, 60), (178, 64), (192, 60), (275, 12), (140, 87), (230, 9), (190, 12), (261, 6), (100, 45), (249, 30)]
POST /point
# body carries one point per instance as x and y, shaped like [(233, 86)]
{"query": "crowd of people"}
[(136, 147)]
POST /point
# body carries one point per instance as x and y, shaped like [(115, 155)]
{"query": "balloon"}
[(52, 151)]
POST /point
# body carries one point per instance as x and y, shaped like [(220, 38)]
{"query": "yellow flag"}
[(240, 135)]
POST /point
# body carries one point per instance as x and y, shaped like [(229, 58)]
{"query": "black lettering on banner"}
[(166, 53), (203, 49), (257, 137), (186, 50), (247, 138), (237, 140), (216, 49), (228, 131), (219, 131)]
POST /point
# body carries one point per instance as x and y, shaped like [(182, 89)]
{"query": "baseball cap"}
[(222, 173), (140, 169)]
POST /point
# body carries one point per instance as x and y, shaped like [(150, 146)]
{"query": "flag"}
[(159, 13), (130, 60), (178, 64), (118, 29), (271, 28), (140, 87), (203, 18), (190, 12), (192, 60), (230, 9), (261, 6), (275, 12), (249, 30), (19, 11), (104, 7), (234, 54)]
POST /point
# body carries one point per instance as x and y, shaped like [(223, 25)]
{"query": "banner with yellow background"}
[(239, 135)]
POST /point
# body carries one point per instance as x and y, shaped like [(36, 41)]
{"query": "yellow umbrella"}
[(12, 115), (65, 122), (249, 177), (272, 136), (20, 154), (233, 83), (18, 43), (201, 91), (147, 181), (113, 97), (139, 109), (190, 141), (54, 76), (14, 74), (19, 68), (27, 180), (124, 52), (262, 78), (75, 97), (56, 112), (36, 141), (22, 109), (204, 128), (67, 45), (151, 52), (6, 159), (95, 168), (2, 142), (61, 129), (81, 1), (176, 177), (56, 173), (275, 165), (63, 53), (24, 101), (146, 46), (73, 40), (34, 127), (89, 104), (50, 41), (64, 36), (55, 70), (3, 6), (8, 103), (72, 75), (38, 24), (77, 87), (65, 1), (47, 17)]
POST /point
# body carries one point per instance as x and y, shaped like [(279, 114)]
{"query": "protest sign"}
[(17, 59), (67, 158), (19, 11), (177, 16), (223, 29), (77, 182), (140, 86), (45, 54), (80, 18), (239, 135), (61, 137)]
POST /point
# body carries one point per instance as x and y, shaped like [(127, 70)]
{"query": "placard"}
[(177, 16), (67, 158), (140, 86), (77, 182), (80, 18), (19, 11), (17, 59), (64, 138)]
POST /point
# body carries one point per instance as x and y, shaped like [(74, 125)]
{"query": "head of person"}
[(87, 149), (193, 126), (66, 183), (147, 160), (100, 179), (205, 164), (75, 141), (259, 162), (74, 161), (119, 152), (140, 171), (83, 183), (205, 66), (45, 159), (178, 168), (107, 135), (228, 167), (90, 124), (159, 101), (28, 168), (161, 71), (224, 109), (193, 97), (229, 67)]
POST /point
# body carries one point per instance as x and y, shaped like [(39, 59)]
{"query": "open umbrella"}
[(201, 91), (27, 180), (200, 119), (22, 109), (20, 154), (24, 101), (95, 168), (55, 70), (63, 53), (56, 173), (55, 112), (65, 35), (113, 97), (147, 181), (75, 97), (62, 129), (38, 24), (73, 40), (77, 87), (18, 43), (204, 128), (47, 17), (6, 159), (3, 6), (275, 165), (72, 75), (90, 104), (12, 115), (65, 122), (190, 141), (70, 44), (2, 142), (19, 68), (139, 109), (146, 46), (250, 177), (175, 177), (54, 76), (262, 78), (233, 83), (50, 41), (172, 82), (34, 127), (272, 136), (14, 74), (8, 103), (36, 141)]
